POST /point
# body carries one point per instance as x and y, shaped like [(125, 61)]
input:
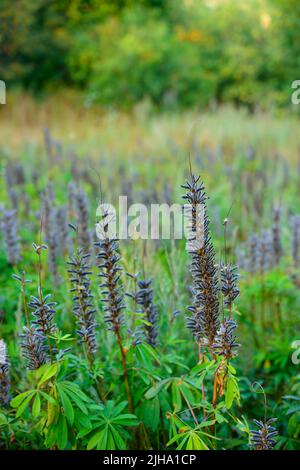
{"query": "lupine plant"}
[(102, 360)]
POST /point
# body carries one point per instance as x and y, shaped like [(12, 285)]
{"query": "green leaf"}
[(62, 433), (66, 404), (125, 420), (197, 443), (120, 444), (151, 351), (176, 396), (229, 394), (153, 391), (118, 408), (110, 444), (36, 407), (24, 404), (82, 420), (151, 413), (77, 400), (3, 419), (47, 397), (98, 440), (176, 438), (50, 372), (15, 402), (72, 387)]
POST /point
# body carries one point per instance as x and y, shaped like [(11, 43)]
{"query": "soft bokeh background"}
[(79, 67), (176, 54)]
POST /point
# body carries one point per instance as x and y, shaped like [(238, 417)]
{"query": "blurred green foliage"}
[(175, 53)]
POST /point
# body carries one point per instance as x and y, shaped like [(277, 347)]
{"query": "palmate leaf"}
[(151, 413), (70, 393), (48, 373), (66, 404), (109, 427), (62, 433), (112, 410), (16, 402), (22, 401), (153, 391), (36, 407), (108, 438), (125, 420), (176, 396), (47, 397), (98, 439), (196, 443), (190, 440)]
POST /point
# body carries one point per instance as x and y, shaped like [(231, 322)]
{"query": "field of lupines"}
[(141, 344)]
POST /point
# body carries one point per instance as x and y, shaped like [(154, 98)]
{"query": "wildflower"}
[(225, 341), (276, 233), (145, 300), (10, 236), (33, 347), (205, 309), (84, 236), (263, 438), (229, 287), (43, 313), (295, 226), (83, 299), (110, 271), (4, 375)]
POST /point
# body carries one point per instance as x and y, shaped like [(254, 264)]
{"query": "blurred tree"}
[(176, 54)]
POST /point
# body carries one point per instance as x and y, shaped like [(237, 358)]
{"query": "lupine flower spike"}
[(83, 299), (145, 300), (10, 236), (33, 348), (263, 438), (110, 272), (4, 375), (113, 296), (204, 321)]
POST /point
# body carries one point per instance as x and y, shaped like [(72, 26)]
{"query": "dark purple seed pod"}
[(110, 272), (205, 309), (43, 312), (225, 341), (263, 438), (229, 278), (4, 375), (84, 311), (33, 348), (145, 301)]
